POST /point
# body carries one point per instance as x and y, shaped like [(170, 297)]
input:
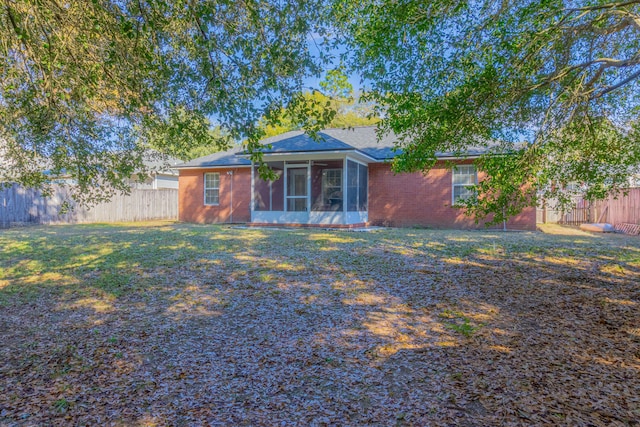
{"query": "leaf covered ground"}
[(176, 324)]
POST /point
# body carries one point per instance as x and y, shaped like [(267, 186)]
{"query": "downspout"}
[(230, 173)]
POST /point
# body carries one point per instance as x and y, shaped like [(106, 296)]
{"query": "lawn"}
[(177, 324)]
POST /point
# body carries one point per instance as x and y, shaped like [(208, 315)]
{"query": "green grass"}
[(118, 260)]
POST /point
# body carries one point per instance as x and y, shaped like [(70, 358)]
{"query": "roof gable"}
[(298, 141)]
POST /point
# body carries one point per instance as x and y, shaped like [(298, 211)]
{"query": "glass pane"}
[(277, 188), (352, 186), (464, 174), (461, 192), (211, 196), (297, 182), (211, 180), (262, 194), (362, 187), (297, 205), (332, 189)]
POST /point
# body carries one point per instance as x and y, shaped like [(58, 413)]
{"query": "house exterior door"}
[(297, 189)]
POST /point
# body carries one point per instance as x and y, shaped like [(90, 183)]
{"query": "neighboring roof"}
[(359, 139), (159, 163)]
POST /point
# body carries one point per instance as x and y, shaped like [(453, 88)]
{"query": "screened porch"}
[(330, 191)]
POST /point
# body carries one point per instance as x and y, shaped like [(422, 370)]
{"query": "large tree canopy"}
[(87, 85), (82, 83), (555, 83)]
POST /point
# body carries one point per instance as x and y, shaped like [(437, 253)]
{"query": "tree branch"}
[(603, 7), (616, 86)]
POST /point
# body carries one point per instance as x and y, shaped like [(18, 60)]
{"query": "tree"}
[(335, 113), (83, 82), (553, 83)]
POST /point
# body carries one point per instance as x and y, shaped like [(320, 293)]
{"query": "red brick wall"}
[(191, 207), (413, 199), (401, 200)]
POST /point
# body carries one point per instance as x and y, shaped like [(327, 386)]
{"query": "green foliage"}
[(336, 84), (87, 86), (314, 111), (450, 75), (459, 323), (304, 113), (82, 83), (62, 405), (175, 133)]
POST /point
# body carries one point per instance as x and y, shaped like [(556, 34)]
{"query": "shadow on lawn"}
[(198, 323)]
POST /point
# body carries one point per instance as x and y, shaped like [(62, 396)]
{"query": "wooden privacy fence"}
[(620, 209), (578, 215), (625, 209), (26, 206)]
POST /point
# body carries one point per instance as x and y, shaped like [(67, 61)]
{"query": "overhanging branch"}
[(615, 86)]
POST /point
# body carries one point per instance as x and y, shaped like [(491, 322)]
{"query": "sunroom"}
[(312, 189)]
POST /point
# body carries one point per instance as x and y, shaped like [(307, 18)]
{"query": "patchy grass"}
[(177, 324)]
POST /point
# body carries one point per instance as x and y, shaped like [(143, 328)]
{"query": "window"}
[(332, 187), (211, 188), (464, 178)]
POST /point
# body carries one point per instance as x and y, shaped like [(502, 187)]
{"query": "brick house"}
[(345, 180)]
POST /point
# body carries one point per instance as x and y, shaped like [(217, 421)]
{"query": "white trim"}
[(253, 187), (211, 167), (313, 217), (453, 185), (320, 155), (357, 161), (307, 167), (326, 217), (470, 156), (344, 185), (204, 186), (356, 217)]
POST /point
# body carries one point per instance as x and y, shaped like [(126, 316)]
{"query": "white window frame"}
[(458, 170), (213, 188)]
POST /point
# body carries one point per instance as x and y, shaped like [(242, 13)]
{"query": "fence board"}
[(27, 206), (621, 209)]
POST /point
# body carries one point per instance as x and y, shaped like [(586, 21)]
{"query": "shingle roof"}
[(221, 158), (362, 139), (297, 141), (365, 139)]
